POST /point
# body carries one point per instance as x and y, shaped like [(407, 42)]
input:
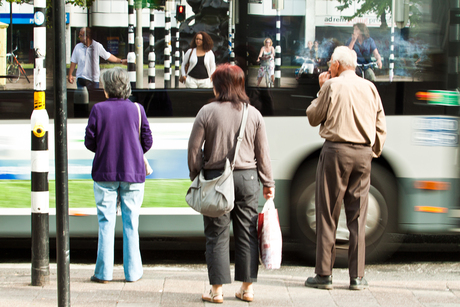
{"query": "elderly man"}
[(353, 125), (85, 57)]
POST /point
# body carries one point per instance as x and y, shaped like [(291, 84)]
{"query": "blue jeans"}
[(131, 196)]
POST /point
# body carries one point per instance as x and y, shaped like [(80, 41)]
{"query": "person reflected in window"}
[(199, 62), (266, 60), (310, 51), (317, 52), (85, 57), (365, 47)]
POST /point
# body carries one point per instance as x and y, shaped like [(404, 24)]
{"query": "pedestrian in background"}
[(85, 57), (309, 52), (199, 62), (317, 52), (217, 126), (267, 61), (364, 46), (352, 120), (118, 169)]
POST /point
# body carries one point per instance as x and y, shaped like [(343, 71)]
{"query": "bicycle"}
[(308, 69), (368, 67), (267, 77), (15, 68), (265, 65), (419, 73)]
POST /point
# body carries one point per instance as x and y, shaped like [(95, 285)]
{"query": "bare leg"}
[(247, 286), (216, 288)]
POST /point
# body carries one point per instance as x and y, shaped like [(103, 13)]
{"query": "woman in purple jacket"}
[(118, 170)]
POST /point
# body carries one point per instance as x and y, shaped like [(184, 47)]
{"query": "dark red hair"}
[(228, 82)]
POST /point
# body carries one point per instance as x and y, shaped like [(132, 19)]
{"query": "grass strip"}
[(157, 193)]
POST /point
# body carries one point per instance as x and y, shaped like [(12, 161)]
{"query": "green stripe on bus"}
[(157, 193)]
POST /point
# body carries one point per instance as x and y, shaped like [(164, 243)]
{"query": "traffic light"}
[(180, 13)]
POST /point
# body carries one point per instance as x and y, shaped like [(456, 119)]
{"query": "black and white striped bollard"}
[(40, 192)]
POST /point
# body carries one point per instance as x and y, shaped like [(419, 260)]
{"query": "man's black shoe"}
[(320, 282), (358, 283)]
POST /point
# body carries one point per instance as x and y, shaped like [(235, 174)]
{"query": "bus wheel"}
[(381, 217)]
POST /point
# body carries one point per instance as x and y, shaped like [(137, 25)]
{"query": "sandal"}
[(217, 298), (245, 295)]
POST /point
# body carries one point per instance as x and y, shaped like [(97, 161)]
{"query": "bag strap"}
[(188, 62), (241, 135), (139, 112)]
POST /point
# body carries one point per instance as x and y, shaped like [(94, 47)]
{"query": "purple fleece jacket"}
[(113, 135)]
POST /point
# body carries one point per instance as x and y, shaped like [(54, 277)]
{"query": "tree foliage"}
[(377, 7), (82, 3), (380, 8), (15, 1)]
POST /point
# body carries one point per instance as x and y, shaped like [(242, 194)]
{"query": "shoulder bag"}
[(148, 168), (216, 197), (182, 79)]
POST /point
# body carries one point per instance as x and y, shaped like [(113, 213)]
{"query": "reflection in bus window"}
[(414, 186)]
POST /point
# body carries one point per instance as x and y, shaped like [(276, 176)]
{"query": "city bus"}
[(414, 184)]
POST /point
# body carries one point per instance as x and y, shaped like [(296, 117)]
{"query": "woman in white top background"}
[(266, 58), (199, 62)]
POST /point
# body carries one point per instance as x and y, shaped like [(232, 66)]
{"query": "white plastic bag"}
[(270, 238)]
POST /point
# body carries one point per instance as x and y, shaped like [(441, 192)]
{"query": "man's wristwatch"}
[(121, 61)]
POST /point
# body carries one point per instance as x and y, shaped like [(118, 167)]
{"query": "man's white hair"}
[(345, 56)]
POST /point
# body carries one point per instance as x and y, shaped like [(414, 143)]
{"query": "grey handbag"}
[(216, 197)]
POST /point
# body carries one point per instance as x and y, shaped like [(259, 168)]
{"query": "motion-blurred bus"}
[(414, 184)]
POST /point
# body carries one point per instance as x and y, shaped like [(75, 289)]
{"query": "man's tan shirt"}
[(350, 110)]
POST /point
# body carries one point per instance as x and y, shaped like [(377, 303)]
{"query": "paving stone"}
[(183, 285)]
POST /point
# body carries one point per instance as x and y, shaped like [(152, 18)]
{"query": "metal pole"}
[(40, 156), (392, 44), (60, 144), (167, 52), (139, 47), (177, 57), (278, 50), (242, 28), (152, 50), (131, 58), (231, 32), (11, 27)]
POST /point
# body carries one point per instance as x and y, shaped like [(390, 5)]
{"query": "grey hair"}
[(345, 56), (115, 82)]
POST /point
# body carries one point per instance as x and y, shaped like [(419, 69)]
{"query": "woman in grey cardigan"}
[(216, 126)]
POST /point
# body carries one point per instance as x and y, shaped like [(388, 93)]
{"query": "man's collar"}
[(347, 72)]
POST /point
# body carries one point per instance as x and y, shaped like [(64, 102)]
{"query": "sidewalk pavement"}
[(182, 285)]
